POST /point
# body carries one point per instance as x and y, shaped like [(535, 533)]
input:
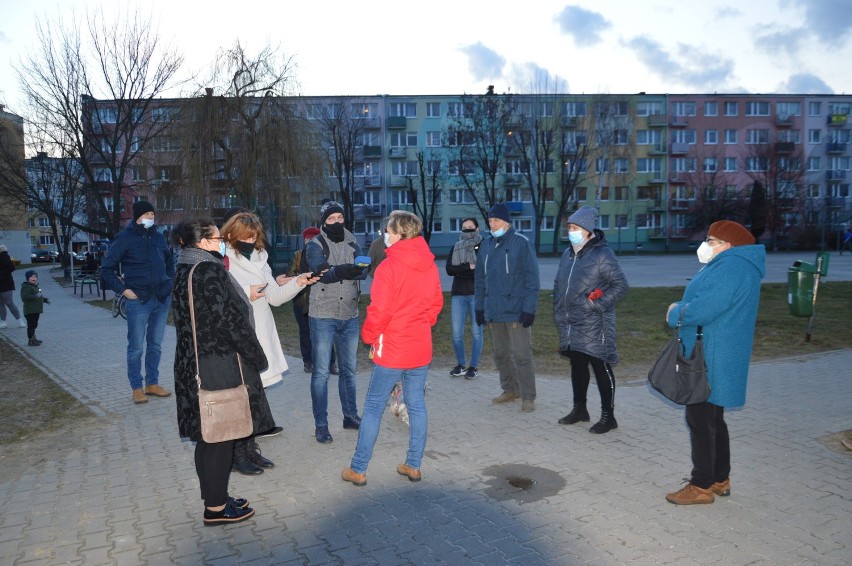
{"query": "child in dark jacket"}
[(34, 301)]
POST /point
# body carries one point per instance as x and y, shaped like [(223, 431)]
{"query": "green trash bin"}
[(823, 265), (800, 288)]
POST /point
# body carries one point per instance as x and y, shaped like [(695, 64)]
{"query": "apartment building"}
[(659, 167), (13, 214)]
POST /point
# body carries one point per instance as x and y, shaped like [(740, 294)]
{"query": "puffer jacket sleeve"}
[(612, 281), (532, 282)]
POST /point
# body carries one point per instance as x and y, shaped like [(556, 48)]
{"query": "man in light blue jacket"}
[(506, 286), (723, 299)]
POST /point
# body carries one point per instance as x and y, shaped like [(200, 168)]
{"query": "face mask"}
[(244, 248), (575, 237), (705, 252), (388, 243), (222, 248), (334, 231), (468, 230), (147, 222), (498, 233)]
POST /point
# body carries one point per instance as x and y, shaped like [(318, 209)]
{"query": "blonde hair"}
[(406, 224), (244, 226)]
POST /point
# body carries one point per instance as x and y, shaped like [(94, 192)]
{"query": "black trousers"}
[(32, 323), (711, 445), (213, 466), (580, 378)]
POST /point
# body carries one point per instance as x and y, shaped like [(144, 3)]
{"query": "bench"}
[(87, 279)]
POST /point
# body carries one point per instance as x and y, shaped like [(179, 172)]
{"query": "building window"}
[(791, 136), (649, 165), (684, 136), (649, 137), (365, 110), (573, 109), (683, 109), (710, 165), (621, 222), (433, 109), (45, 240), (461, 196), (730, 164), (711, 137), (757, 136), (731, 109), (604, 221), (756, 164), (404, 168), (403, 139), (163, 114), (106, 115), (711, 108), (683, 165), (402, 109), (522, 224), (757, 109), (787, 109), (621, 164), (730, 136), (814, 108), (433, 139), (455, 110), (649, 108), (548, 223)]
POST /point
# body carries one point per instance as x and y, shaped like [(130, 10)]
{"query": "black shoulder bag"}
[(681, 379)]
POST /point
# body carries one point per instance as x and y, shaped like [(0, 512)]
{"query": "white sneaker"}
[(21, 323), (3, 324)]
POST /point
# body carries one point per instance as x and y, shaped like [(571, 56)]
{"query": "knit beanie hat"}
[(140, 207), (2, 248), (310, 232), (732, 232), (329, 208), (586, 218), (29, 274), (501, 211)]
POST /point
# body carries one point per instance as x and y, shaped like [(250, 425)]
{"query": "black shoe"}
[(242, 461), (471, 373), (255, 456), (606, 424), (457, 371), (274, 431), (332, 369), (309, 367), (577, 414), (323, 436), (230, 514), (34, 342), (352, 422), (238, 502)]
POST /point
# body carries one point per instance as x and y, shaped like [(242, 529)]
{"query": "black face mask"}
[(244, 248), (334, 231), (468, 230)]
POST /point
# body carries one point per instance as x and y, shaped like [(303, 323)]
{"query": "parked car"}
[(44, 256)]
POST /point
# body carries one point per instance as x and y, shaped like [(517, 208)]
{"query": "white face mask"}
[(388, 243), (705, 252), (147, 222)]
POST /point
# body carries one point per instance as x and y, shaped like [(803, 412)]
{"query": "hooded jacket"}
[(585, 325), (506, 279), (145, 261), (405, 300), (723, 298), (7, 283)]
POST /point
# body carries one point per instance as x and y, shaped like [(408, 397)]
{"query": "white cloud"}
[(483, 62), (771, 40), (531, 78), (804, 83), (704, 71), (829, 20), (583, 25)]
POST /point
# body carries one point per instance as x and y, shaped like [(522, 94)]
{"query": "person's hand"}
[(129, 294), (472, 266), (305, 279), (596, 294), (255, 291), (348, 271), (480, 317), (668, 312), (526, 319), (566, 351), (282, 279), (46, 301)]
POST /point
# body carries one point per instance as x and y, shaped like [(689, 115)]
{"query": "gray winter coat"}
[(585, 325)]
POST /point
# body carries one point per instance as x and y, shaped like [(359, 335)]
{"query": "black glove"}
[(323, 267), (46, 301), (566, 351), (348, 271), (526, 319), (480, 317)]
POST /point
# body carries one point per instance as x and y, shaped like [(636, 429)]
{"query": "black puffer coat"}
[(223, 328), (584, 325)]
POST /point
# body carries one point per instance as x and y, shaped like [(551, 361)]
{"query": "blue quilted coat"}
[(723, 298)]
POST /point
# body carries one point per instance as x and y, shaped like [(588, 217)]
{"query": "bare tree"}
[(94, 83), (424, 198), (714, 197), (573, 157)]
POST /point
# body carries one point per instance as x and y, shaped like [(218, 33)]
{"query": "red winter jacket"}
[(405, 300)]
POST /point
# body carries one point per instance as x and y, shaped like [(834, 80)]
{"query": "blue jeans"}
[(146, 324), (378, 393), (343, 335), (463, 307)]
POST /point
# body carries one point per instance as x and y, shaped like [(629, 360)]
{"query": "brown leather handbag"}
[(225, 413)]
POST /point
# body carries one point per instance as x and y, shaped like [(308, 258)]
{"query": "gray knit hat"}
[(586, 217)]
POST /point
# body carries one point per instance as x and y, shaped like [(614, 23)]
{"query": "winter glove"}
[(348, 271), (46, 301), (526, 319), (596, 294), (566, 351), (480, 317)]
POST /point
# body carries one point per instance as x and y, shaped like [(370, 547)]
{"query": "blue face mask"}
[(498, 233), (575, 237), (222, 248)]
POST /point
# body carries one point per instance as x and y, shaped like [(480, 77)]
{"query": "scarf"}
[(464, 252), (193, 256)]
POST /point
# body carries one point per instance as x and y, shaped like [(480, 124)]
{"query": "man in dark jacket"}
[(7, 289), (139, 266), (507, 285)]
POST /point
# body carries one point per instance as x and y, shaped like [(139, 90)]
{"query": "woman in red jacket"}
[(405, 299)]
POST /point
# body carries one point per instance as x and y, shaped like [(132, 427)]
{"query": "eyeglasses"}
[(711, 240)]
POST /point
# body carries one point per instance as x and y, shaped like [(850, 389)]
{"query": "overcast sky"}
[(370, 47)]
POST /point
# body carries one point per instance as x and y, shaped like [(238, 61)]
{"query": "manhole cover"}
[(521, 482)]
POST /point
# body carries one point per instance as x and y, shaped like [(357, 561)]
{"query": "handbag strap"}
[(699, 332), (195, 338)]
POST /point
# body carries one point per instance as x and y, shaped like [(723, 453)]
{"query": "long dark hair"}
[(190, 233)]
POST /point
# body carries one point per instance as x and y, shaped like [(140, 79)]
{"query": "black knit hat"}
[(501, 211), (329, 208), (140, 207)]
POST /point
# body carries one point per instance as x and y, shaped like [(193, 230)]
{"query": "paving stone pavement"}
[(129, 495)]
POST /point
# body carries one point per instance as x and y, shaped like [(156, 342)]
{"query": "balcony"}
[(678, 122), (835, 175), (515, 207), (835, 202), (784, 147), (783, 121), (682, 204), (835, 147), (657, 233), (657, 149), (657, 179), (398, 181), (398, 152), (837, 119), (678, 232), (372, 181), (372, 209), (678, 178), (372, 152), (657, 204), (657, 120), (370, 123), (396, 122), (570, 121), (679, 148), (513, 180)]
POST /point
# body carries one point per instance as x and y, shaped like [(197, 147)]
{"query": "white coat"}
[(255, 271)]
